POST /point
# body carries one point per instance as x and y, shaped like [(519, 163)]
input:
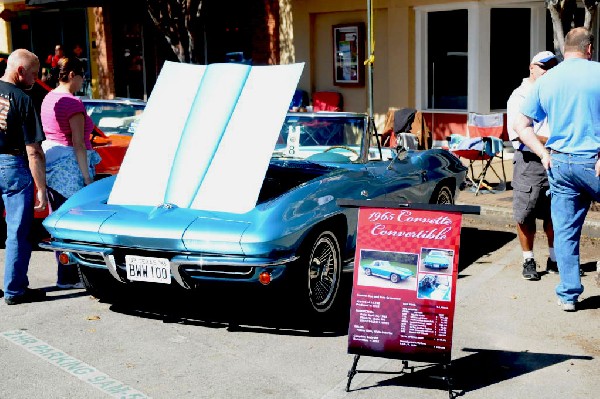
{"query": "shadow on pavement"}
[(592, 302), (588, 267), (475, 243), (482, 368), (235, 308)]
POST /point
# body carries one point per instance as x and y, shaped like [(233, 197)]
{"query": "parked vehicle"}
[(436, 260), (115, 121), (115, 116), (295, 235), (383, 268)]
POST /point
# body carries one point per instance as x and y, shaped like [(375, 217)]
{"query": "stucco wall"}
[(393, 71)]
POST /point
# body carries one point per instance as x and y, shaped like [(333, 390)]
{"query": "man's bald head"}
[(22, 67), (21, 57), (578, 40)]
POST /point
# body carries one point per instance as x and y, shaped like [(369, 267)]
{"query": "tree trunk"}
[(558, 33), (178, 21), (591, 7), (563, 14), (556, 10)]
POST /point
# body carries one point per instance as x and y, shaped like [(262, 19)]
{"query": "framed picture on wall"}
[(348, 54)]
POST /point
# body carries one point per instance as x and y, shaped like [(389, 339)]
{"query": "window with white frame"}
[(471, 55), (447, 59), (509, 52)]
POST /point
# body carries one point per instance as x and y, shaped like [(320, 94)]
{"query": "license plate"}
[(153, 270)]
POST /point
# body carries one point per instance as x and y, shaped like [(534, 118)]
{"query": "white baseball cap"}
[(542, 57)]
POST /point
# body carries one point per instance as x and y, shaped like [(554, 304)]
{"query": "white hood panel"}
[(206, 137)]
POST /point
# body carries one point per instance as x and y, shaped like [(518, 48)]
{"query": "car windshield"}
[(321, 137), (436, 253), (118, 117)]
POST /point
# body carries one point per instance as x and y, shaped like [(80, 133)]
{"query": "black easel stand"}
[(464, 209), (405, 367)]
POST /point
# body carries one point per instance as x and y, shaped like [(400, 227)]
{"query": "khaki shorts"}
[(531, 196)]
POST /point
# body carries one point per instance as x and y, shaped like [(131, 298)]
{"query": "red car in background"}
[(115, 121)]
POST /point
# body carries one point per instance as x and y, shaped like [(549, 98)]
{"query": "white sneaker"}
[(567, 306), (77, 285)]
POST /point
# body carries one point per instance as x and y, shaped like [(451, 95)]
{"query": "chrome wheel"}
[(394, 278), (324, 268), (368, 271), (442, 195)]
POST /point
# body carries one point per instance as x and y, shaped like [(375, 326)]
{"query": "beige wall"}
[(394, 50)]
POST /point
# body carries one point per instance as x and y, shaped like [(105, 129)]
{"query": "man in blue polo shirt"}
[(569, 96)]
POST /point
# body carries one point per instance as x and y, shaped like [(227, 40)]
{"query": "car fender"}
[(283, 223), (95, 193)]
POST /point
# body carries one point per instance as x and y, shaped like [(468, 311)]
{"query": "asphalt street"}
[(510, 340)]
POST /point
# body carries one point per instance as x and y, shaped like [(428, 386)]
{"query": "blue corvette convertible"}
[(385, 269), (436, 260), (295, 233)]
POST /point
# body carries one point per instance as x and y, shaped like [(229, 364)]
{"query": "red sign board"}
[(405, 270)]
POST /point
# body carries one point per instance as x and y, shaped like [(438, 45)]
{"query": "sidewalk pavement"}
[(496, 205)]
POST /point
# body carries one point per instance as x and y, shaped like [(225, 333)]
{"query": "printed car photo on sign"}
[(434, 286), (388, 269), (436, 259)]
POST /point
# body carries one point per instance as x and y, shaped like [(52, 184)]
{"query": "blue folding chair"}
[(484, 149)]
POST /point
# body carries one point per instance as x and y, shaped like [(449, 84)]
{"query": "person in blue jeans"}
[(569, 95), (22, 164)]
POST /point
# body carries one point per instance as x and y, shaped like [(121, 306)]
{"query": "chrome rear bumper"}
[(209, 267)]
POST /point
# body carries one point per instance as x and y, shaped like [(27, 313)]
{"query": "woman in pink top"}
[(70, 159)]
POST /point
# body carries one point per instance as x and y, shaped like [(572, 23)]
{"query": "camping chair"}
[(406, 125), (484, 144)]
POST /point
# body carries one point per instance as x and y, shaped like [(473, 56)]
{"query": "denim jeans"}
[(16, 186), (573, 186)]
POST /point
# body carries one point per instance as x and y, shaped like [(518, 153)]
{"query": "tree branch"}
[(177, 20)]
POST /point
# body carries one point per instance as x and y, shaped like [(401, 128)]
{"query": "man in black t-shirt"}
[(22, 163)]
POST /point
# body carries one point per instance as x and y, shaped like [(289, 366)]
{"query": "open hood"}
[(206, 137)]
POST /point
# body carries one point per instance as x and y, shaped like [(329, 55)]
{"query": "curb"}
[(591, 227)]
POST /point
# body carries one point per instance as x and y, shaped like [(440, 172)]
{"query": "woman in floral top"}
[(70, 159)]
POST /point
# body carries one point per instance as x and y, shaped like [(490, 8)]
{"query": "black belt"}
[(13, 152), (529, 156)]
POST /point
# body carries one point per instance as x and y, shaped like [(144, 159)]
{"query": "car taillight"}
[(264, 278), (64, 258)]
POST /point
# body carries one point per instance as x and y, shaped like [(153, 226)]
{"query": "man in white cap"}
[(530, 181)]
